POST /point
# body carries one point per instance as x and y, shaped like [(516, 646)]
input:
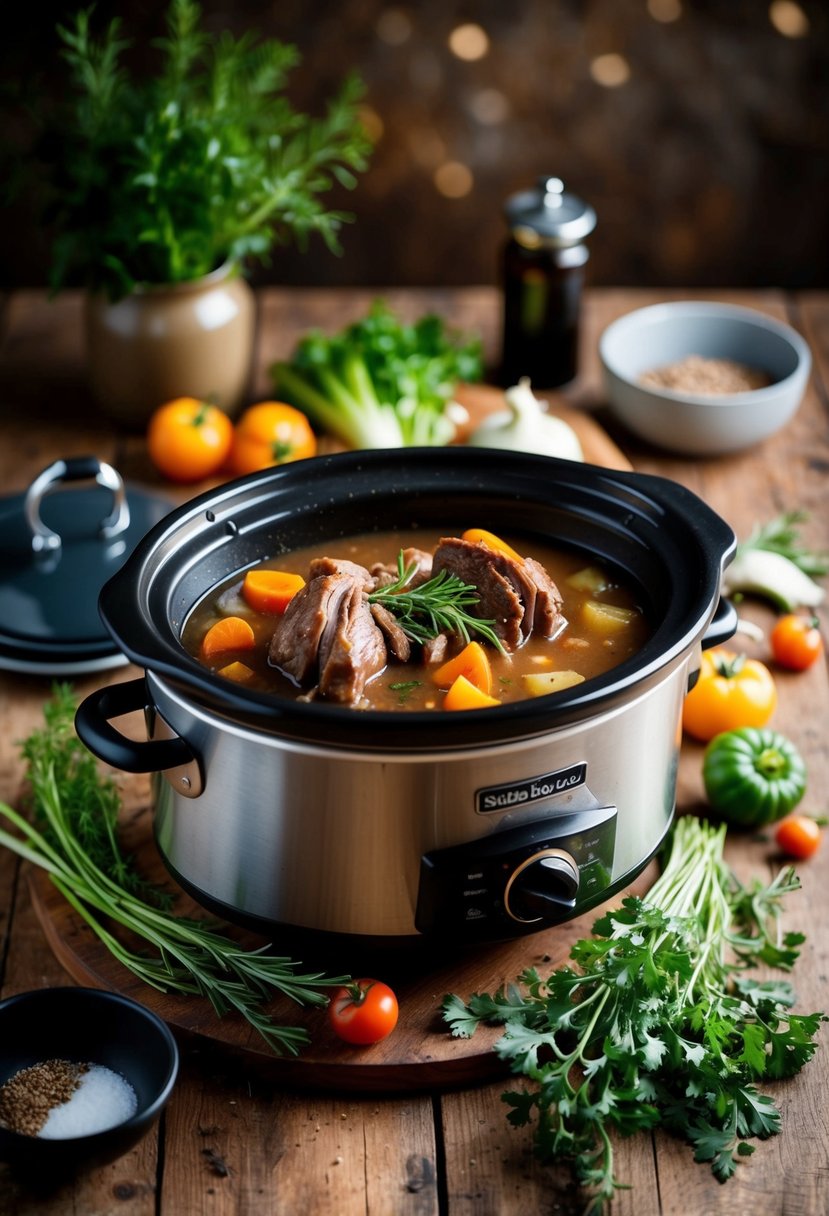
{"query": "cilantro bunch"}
[(658, 1022), (162, 178)]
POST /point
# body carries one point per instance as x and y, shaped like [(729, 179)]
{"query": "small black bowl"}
[(85, 1025)]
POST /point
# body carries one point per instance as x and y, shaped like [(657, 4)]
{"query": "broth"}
[(603, 625)]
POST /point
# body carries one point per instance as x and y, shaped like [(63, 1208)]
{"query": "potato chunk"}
[(591, 578), (540, 683), (606, 618)]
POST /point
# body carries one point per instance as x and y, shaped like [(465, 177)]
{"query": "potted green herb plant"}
[(164, 189)]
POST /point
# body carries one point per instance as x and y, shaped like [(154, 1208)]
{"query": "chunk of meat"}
[(547, 618), (341, 565), (396, 637), (517, 596), (435, 650), (328, 636), (498, 599), (296, 639), (385, 573), (352, 650)]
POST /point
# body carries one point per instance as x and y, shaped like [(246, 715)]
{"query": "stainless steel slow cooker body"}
[(384, 825)]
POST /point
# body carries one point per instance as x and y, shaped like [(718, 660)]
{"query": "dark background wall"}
[(698, 129)]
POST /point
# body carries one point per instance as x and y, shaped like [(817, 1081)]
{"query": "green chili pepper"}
[(753, 777)]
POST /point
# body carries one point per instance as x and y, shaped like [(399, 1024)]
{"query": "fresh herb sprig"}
[(657, 1022), (437, 605), (782, 535), (73, 837), (160, 178)]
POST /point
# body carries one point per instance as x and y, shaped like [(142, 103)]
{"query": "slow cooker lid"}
[(60, 541), (660, 535)]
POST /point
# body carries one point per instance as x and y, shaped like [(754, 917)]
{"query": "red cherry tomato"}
[(798, 836), (796, 642), (363, 1012)]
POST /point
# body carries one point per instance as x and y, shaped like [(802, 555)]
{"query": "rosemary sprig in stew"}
[(438, 605)]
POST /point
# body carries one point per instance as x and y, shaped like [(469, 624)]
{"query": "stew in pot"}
[(417, 621)]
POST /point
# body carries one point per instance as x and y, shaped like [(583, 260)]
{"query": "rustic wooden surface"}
[(418, 1056), (236, 1141)]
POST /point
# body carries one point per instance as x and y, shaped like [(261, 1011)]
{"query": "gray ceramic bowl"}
[(701, 425), (85, 1025)]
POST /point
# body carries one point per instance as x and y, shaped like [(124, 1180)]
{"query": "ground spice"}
[(706, 377), (30, 1095)]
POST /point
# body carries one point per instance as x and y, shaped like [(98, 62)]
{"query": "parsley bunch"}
[(161, 179), (658, 1022), (74, 839)]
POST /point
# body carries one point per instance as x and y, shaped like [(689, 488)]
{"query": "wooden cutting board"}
[(483, 399), (420, 1053)]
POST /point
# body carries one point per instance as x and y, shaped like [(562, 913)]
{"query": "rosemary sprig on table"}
[(433, 607), (74, 838)]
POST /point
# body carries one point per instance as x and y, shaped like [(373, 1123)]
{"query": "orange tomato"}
[(270, 433), (189, 439)]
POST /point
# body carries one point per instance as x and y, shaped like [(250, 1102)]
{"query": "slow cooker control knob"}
[(544, 887)]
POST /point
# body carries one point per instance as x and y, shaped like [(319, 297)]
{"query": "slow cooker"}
[(392, 827)]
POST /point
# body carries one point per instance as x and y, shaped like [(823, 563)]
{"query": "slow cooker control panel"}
[(519, 880), (543, 886)]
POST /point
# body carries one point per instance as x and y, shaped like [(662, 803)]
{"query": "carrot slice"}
[(480, 536), (230, 633), (472, 662), (271, 591), (463, 695)]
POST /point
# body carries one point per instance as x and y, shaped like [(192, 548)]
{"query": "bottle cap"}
[(548, 215)]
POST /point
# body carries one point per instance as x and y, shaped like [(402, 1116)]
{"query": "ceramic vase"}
[(190, 339)]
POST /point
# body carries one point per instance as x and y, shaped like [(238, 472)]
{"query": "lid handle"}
[(77, 468), (552, 189)]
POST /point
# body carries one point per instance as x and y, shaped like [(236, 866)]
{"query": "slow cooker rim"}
[(424, 730), (308, 719)]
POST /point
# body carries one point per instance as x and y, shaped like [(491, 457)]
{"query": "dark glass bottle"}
[(543, 272)]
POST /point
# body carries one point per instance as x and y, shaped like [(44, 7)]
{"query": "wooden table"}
[(234, 1142)]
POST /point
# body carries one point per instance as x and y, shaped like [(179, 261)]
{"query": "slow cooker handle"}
[(723, 625), (92, 722)]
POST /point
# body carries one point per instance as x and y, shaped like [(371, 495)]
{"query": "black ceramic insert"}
[(658, 534)]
